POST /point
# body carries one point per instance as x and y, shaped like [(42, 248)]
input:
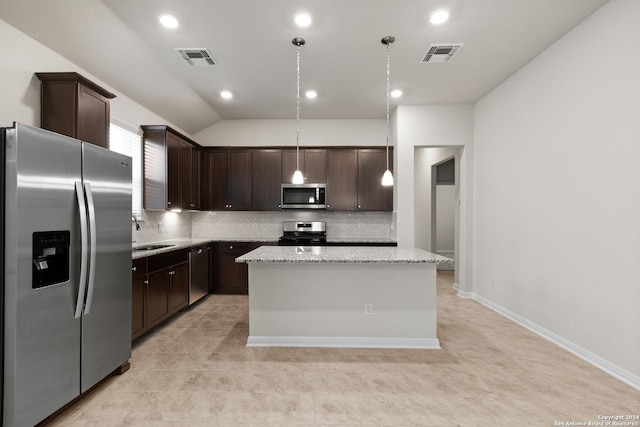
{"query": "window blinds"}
[(128, 141)]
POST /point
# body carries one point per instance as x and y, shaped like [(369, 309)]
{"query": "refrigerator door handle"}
[(84, 251), (93, 248)]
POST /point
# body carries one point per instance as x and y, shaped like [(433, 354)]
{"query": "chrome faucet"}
[(136, 220)]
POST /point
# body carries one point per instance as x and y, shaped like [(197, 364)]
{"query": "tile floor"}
[(490, 372)]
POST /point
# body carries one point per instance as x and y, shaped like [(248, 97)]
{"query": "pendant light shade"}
[(298, 178), (387, 177)]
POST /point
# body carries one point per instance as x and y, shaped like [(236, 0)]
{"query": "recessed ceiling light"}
[(311, 94), (226, 94), (396, 93), (302, 19), (438, 17), (169, 21)]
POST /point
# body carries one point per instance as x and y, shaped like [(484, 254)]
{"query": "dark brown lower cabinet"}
[(160, 289), (138, 285), (179, 287), (231, 277)]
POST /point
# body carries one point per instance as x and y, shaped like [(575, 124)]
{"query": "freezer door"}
[(106, 322), (41, 337)]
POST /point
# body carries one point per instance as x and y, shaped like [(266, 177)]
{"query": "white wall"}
[(341, 132), (21, 57), (417, 126), (424, 159), (445, 214), (557, 212)]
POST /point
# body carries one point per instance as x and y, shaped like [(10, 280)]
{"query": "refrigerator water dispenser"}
[(50, 258)]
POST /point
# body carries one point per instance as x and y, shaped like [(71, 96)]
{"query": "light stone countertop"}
[(359, 240), (341, 254), (185, 243)]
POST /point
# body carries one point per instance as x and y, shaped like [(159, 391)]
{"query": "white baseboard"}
[(589, 357), (465, 295), (344, 342)]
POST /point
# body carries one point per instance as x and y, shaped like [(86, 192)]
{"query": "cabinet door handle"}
[(172, 273), (359, 206), (230, 246), (146, 282), (169, 203), (134, 269)]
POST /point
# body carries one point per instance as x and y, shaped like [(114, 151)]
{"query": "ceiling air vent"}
[(197, 56), (439, 53)]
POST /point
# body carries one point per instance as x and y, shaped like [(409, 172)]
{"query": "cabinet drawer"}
[(139, 268), (160, 261)]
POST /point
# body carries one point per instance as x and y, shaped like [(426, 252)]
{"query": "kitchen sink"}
[(151, 247)]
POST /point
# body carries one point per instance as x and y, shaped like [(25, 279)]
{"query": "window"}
[(128, 141)]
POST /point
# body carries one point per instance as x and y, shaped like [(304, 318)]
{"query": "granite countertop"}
[(333, 254), (359, 240), (183, 243), (186, 242)]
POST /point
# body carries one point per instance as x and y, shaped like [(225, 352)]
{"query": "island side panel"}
[(322, 305)]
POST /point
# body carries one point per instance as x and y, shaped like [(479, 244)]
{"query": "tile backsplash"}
[(162, 225)]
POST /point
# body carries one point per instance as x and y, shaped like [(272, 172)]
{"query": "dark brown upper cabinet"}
[(215, 180), (75, 106), (195, 201), (250, 179), (227, 179), (342, 184), (169, 177), (313, 164), (372, 195), (266, 167), (239, 184), (190, 175)]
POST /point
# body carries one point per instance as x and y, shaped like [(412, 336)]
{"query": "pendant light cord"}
[(298, 107), (388, 94)]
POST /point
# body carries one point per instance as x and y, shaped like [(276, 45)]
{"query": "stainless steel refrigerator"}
[(66, 268)]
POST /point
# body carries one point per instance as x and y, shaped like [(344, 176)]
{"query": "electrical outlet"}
[(255, 225), (360, 226), (368, 309)]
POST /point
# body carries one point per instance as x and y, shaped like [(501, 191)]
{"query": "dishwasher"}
[(198, 273)]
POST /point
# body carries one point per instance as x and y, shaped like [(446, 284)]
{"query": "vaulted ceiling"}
[(122, 43)]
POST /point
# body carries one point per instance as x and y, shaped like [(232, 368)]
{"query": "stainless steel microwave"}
[(303, 196)]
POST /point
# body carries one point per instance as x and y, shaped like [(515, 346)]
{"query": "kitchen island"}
[(314, 296)]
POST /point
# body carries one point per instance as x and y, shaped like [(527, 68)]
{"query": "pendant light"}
[(297, 175), (387, 178)]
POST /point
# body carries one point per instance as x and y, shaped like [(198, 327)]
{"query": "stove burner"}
[(303, 234)]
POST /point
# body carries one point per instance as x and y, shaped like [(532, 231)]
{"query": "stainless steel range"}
[(303, 233)]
